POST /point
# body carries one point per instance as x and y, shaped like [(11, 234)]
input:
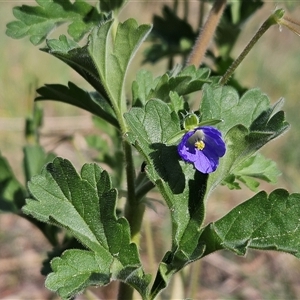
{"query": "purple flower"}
[(202, 146)]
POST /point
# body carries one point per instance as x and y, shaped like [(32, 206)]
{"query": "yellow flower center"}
[(196, 139), (200, 145)]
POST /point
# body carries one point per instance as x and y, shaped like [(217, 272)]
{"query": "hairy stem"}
[(130, 173), (207, 33), (272, 20), (125, 291), (134, 212)]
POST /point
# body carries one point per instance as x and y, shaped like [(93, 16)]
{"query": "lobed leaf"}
[(170, 35), (262, 222), (255, 167), (245, 132), (182, 187), (183, 82), (85, 205), (38, 21), (223, 102)]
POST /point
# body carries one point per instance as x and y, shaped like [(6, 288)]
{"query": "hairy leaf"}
[(112, 58), (38, 21), (85, 205), (90, 101), (223, 102), (244, 132), (255, 167), (77, 58), (182, 187), (262, 222), (183, 82)]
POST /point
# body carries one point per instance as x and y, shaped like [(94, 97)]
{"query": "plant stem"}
[(134, 209), (130, 172), (272, 20), (125, 291), (195, 275), (150, 245), (134, 212), (207, 33)]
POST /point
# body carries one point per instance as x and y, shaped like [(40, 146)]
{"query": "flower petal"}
[(205, 160), (204, 164), (213, 139)]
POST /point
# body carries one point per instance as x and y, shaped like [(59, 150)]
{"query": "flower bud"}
[(191, 121)]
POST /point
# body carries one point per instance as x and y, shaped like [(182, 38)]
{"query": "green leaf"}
[(231, 24), (141, 87), (108, 5), (85, 205), (186, 81), (255, 167), (77, 58), (112, 58), (171, 36), (182, 187), (248, 124), (178, 104), (103, 62), (171, 28), (74, 271), (183, 82), (90, 101), (241, 144), (12, 193), (38, 21), (223, 102), (263, 222)]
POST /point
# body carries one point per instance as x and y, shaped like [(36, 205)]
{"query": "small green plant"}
[(184, 152)]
